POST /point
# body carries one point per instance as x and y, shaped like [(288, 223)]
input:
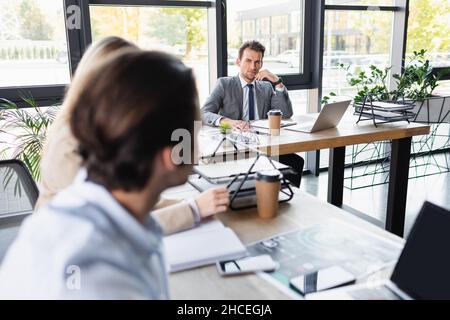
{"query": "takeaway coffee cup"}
[(268, 184), (274, 116)]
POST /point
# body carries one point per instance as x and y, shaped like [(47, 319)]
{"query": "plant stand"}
[(383, 111), (430, 155)]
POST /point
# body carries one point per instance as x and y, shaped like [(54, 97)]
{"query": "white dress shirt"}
[(85, 245), (246, 91)]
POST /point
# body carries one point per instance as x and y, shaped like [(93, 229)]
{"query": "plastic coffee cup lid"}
[(275, 112), (269, 175)]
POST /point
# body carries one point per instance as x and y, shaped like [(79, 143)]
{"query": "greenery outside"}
[(182, 29), (23, 131)]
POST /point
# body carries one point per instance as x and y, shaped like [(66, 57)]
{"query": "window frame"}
[(50, 94), (78, 41), (394, 9), (311, 34)]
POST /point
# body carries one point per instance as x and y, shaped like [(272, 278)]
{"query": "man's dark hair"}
[(125, 111), (253, 45)]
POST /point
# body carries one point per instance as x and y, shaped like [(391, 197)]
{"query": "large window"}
[(180, 31), (355, 39), (278, 24), (33, 46), (38, 52), (429, 29), (357, 34), (361, 2)]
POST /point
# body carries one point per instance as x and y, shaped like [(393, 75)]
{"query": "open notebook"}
[(206, 244)]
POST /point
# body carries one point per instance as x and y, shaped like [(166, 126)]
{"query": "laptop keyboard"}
[(377, 293)]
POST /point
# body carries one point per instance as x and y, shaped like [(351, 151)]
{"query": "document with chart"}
[(320, 246)]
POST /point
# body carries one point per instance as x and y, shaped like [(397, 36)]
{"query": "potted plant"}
[(415, 83), (225, 128), (23, 131)]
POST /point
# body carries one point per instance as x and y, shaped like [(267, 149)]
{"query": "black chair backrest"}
[(15, 177), (18, 196)]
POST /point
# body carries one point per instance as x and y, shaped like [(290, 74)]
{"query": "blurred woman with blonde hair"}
[(61, 162)]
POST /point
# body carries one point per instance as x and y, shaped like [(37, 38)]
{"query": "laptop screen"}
[(423, 269)]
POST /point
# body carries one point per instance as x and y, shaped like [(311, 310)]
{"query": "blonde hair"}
[(120, 114), (60, 162), (100, 49), (95, 54)]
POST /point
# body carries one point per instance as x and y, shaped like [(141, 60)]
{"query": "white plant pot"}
[(433, 110)]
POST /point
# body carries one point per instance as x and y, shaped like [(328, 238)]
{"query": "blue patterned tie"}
[(251, 102)]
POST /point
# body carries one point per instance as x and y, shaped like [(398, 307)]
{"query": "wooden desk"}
[(349, 133), (303, 210)]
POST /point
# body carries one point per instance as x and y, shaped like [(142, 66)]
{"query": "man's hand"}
[(266, 74), (212, 201), (237, 124)]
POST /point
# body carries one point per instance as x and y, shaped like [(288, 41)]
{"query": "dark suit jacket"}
[(227, 100)]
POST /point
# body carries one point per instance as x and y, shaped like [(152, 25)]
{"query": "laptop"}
[(422, 271), (329, 117)]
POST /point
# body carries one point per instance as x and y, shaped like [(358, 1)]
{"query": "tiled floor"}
[(372, 200)]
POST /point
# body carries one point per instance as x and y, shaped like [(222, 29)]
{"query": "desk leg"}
[(398, 186), (336, 176)]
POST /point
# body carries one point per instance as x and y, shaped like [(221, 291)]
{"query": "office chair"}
[(297, 163), (18, 195)]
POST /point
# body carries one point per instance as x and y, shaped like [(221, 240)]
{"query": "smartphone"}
[(323, 279), (246, 265)]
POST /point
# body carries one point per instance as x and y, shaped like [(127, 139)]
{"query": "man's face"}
[(249, 64)]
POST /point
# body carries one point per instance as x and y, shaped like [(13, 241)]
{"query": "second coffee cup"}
[(268, 185), (274, 117)]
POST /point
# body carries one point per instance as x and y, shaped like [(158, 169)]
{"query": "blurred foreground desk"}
[(349, 133), (303, 210)]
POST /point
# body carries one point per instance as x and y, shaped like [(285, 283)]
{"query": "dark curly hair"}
[(125, 110), (252, 45)]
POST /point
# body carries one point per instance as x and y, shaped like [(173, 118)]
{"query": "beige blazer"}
[(60, 164)]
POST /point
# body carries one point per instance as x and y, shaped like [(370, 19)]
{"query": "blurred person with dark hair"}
[(96, 239)]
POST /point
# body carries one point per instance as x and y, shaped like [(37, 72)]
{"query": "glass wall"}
[(180, 31), (361, 2), (277, 24), (429, 29), (33, 46), (356, 39)]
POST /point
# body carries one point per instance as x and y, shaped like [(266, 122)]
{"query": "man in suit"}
[(249, 95)]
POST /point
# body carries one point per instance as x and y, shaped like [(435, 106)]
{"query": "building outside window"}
[(263, 26), (278, 26), (355, 39), (248, 29)]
